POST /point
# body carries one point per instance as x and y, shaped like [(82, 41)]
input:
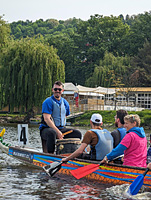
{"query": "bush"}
[(146, 120), (108, 117)]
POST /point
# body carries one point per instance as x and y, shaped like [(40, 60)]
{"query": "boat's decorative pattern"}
[(106, 173)]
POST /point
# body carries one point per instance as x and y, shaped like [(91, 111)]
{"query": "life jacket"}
[(59, 113), (104, 145), (122, 131)]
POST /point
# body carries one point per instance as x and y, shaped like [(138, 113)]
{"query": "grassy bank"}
[(84, 119), (16, 118), (108, 117)]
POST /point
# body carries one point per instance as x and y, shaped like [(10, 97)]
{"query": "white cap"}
[(96, 118)]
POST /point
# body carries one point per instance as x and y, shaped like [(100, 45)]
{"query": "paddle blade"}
[(83, 171), (52, 168), (136, 185), (2, 132)]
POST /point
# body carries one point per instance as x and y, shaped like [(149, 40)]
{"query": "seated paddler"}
[(133, 145), (99, 140), (54, 111)]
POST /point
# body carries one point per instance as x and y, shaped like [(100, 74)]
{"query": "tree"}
[(109, 65), (66, 50), (29, 69), (4, 33), (140, 28), (4, 41), (142, 66)]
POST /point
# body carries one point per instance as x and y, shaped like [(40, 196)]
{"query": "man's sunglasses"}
[(55, 89)]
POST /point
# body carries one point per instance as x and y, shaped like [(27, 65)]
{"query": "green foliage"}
[(140, 28), (4, 42), (29, 69), (82, 45), (4, 33), (84, 119), (46, 28), (108, 117), (147, 120), (142, 66), (109, 71)]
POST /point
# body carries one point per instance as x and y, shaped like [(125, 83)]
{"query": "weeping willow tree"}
[(30, 68), (109, 66), (4, 33), (4, 41)]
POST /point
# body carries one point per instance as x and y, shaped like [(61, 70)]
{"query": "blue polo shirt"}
[(47, 107)]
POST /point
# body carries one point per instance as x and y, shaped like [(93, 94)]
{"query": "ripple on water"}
[(120, 192)]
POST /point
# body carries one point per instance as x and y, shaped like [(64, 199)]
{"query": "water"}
[(18, 181)]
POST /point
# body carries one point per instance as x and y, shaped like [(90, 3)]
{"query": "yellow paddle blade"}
[(2, 132)]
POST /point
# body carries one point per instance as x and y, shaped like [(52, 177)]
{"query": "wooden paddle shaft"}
[(67, 132)]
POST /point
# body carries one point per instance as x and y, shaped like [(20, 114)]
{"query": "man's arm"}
[(50, 123), (76, 153)]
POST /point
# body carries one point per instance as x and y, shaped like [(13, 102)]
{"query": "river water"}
[(18, 181)]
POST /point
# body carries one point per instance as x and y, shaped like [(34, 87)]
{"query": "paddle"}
[(137, 184), (83, 171), (2, 132), (52, 168), (67, 132)]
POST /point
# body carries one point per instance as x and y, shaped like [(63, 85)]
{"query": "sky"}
[(14, 10)]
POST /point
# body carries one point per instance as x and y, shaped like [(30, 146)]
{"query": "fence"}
[(86, 104)]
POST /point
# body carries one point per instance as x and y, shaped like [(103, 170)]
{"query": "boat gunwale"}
[(76, 159)]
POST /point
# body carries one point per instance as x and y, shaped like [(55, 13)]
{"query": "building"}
[(85, 98), (138, 97), (116, 98)]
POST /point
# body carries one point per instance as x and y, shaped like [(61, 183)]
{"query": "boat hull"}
[(109, 173)]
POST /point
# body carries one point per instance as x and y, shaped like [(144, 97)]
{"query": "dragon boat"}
[(108, 173)]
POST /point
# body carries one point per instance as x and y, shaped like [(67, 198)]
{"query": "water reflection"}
[(18, 181)]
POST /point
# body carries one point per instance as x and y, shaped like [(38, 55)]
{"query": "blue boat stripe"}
[(116, 178), (45, 161), (74, 163), (40, 158), (121, 172), (46, 157), (69, 168)]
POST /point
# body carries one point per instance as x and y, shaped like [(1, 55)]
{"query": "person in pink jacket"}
[(133, 145)]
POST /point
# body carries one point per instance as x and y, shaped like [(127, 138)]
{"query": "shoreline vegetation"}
[(82, 120)]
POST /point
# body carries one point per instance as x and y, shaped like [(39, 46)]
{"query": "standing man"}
[(100, 141), (120, 132), (54, 112)]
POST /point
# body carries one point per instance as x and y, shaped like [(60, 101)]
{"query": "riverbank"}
[(18, 119), (108, 118), (82, 120)]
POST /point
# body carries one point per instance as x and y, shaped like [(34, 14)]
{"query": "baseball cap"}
[(96, 118)]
